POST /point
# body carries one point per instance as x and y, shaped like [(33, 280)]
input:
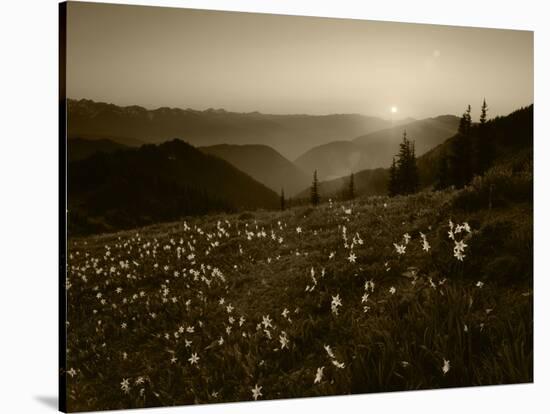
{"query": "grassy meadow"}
[(432, 290)]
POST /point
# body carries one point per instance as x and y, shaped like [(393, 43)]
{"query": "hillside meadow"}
[(432, 290)]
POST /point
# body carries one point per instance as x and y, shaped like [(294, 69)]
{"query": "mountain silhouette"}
[(264, 164), (374, 150), (80, 148), (290, 135), (134, 187), (512, 134)]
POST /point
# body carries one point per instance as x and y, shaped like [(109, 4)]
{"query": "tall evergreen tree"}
[(485, 144), (468, 119), (404, 177), (403, 165), (461, 152), (442, 173), (315, 190), (413, 170), (392, 183), (483, 116), (282, 199)]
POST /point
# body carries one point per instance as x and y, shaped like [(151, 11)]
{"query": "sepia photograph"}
[(264, 206)]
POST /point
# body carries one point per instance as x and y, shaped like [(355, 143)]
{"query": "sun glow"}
[(393, 109)]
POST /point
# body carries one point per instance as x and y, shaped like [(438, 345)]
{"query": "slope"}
[(264, 164), (376, 149), (156, 183), (290, 135), (512, 134)]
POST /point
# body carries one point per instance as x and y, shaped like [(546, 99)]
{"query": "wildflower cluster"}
[(225, 308)]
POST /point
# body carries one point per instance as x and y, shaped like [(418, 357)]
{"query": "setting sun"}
[(393, 109)]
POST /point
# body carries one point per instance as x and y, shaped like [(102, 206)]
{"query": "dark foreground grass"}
[(252, 297)]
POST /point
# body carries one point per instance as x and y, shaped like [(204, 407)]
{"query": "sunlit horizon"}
[(246, 62)]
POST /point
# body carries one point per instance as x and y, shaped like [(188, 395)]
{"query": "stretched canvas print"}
[(260, 206)]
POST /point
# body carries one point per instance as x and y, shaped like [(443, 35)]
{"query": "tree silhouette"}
[(404, 173), (483, 116), (392, 183), (461, 152), (485, 144), (282, 199), (414, 181), (315, 190), (442, 180)]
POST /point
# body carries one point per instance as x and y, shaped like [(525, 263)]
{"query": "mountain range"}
[(375, 150), (261, 162), (290, 135), (117, 181), (512, 134), (134, 187), (264, 164), (81, 148)]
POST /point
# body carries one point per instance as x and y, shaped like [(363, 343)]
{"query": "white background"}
[(28, 203)]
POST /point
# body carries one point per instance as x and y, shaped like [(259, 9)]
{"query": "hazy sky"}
[(243, 62)]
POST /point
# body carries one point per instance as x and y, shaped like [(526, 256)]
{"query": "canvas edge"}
[(62, 208)]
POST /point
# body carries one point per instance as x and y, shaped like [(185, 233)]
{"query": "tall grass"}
[(437, 314)]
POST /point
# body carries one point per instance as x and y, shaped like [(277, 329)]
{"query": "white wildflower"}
[(319, 375), (446, 366), (256, 392), (194, 359), (329, 351), (335, 303), (399, 248)]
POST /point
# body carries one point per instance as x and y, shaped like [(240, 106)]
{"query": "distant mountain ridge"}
[(513, 135), (155, 183), (291, 135), (80, 148), (375, 150), (264, 164), (261, 162)]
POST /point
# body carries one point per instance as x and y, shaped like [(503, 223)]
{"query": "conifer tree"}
[(403, 165), (392, 183), (413, 170), (483, 116), (461, 152), (404, 177), (442, 173), (315, 190), (485, 145), (282, 199)]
